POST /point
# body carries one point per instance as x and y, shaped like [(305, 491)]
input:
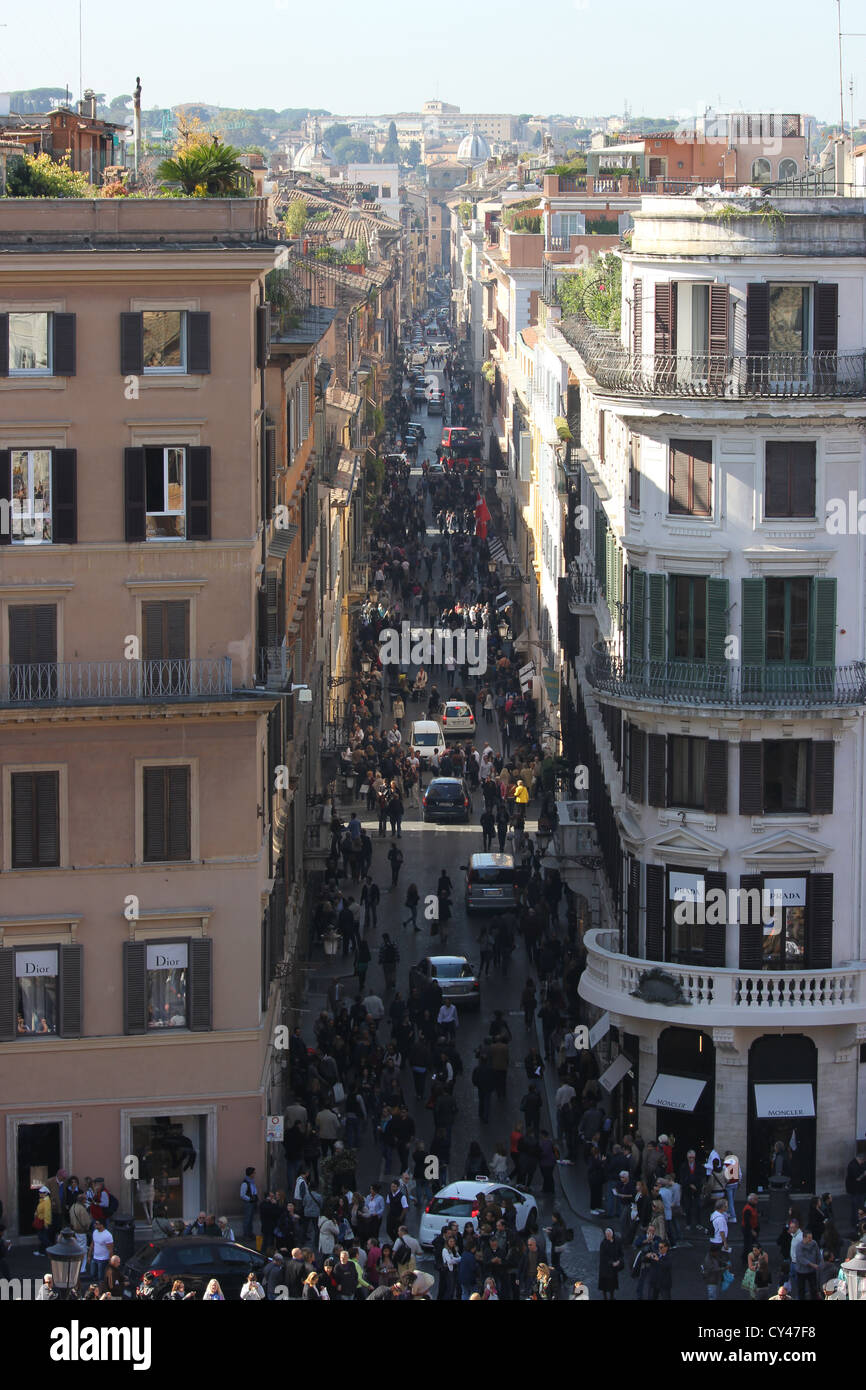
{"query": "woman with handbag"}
[(329, 1234)]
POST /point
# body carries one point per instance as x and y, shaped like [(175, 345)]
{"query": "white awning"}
[(784, 1100), (615, 1072), (675, 1092)]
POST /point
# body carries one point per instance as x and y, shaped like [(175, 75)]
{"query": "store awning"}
[(615, 1072), (785, 1100), (675, 1092)]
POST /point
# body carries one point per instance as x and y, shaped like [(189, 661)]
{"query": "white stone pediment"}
[(679, 844), (784, 849)]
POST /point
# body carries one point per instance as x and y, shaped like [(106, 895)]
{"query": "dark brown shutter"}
[(165, 630), (4, 344), (23, 821), (71, 981), (636, 763), (822, 757), (819, 921), (656, 792), (270, 470), (35, 820), (716, 776), (152, 631), (263, 334), (197, 343), (63, 353), (719, 313), (154, 814), (198, 493), (178, 793), (802, 455), (200, 1005), (715, 932), (757, 319), (702, 477), (751, 931), (48, 817), (6, 496), (135, 494), (826, 335), (777, 499), (132, 344), (655, 911), (64, 508), (8, 995), (664, 321), (637, 322), (633, 908), (751, 779), (679, 491), (134, 987)]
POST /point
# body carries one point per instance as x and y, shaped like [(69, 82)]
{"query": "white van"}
[(426, 738)]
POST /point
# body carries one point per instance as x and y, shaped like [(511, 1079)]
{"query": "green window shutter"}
[(637, 616), (717, 618), (823, 622), (657, 617), (716, 776), (822, 756), (754, 622)]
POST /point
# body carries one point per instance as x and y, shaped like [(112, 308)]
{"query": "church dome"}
[(473, 149), (313, 153)]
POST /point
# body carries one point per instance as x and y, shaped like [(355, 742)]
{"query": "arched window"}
[(761, 170), (788, 169)]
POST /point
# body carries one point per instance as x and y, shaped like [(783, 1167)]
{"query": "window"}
[(31, 495), (166, 814), (35, 804), (165, 630), (789, 478), (167, 978), (687, 759), (761, 170), (164, 340), (36, 980), (688, 617), (33, 651), (787, 777), (165, 492), (385, 191), (30, 344), (691, 477), (790, 318), (786, 766), (787, 618), (634, 472), (788, 169)]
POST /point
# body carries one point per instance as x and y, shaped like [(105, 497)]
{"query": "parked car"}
[(457, 718), (196, 1260), (446, 798), (453, 974), (457, 1202)]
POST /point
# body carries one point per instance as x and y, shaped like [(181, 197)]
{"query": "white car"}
[(457, 718), (456, 1202), (426, 738)]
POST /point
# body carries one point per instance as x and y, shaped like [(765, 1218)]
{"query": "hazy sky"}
[(571, 56)]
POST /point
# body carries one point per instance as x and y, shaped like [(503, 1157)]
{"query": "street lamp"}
[(854, 1271), (504, 629), (66, 1262), (366, 665)]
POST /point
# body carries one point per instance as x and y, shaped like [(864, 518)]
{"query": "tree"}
[(594, 292), (536, 140), (205, 171), (296, 217), (392, 134), (191, 132), (413, 154), (39, 176), (351, 151), (333, 133)]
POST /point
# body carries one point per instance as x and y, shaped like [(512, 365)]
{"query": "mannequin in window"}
[(144, 1185)]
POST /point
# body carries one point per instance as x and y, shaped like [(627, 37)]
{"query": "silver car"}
[(453, 974)]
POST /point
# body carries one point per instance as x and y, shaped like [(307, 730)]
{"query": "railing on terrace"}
[(726, 683), (583, 590), (786, 375), (110, 682), (706, 987)]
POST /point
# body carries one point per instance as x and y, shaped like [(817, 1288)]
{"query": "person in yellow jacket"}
[(521, 794), (42, 1219)]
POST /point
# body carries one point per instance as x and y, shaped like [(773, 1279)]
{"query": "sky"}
[(584, 57)]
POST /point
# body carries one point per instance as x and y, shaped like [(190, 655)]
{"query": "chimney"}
[(90, 103)]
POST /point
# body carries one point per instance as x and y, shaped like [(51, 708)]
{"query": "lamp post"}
[(854, 1271), (66, 1262), (366, 665)]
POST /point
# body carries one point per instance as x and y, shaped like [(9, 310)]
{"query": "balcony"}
[(726, 683), (723, 998), (114, 682), (583, 590), (774, 375)]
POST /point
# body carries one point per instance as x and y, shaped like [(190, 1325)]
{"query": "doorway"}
[(39, 1157), (789, 1062), (687, 1052)]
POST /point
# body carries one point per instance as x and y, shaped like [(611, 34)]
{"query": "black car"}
[(447, 798), (196, 1260)]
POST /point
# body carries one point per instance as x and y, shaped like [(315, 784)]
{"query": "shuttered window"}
[(789, 478), (165, 630), (636, 763), (655, 911), (37, 344), (786, 776), (657, 614), (688, 617), (656, 762), (33, 651), (197, 978), (35, 820), (633, 908), (637, 321), (637, 615), (789, 621), (634, 472), (166, 800), (690, 491), (687, 760)]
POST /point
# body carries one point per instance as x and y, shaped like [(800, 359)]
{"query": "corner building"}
[(718, 692)]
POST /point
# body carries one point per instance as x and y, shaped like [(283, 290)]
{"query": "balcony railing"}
[(583, 590), (786, 375), (723, 996), (114, 682), (726, 683)]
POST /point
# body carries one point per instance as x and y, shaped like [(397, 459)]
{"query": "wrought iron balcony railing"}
[(114, 682), (786, 375), (727, 683)]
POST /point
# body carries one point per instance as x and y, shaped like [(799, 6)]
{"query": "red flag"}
[(482, 511)]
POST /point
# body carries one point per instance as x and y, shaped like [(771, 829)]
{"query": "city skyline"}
[(386, 69)]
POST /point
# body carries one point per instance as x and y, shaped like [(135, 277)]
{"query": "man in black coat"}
[(295, 1273)]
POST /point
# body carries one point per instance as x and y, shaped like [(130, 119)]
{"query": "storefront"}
[(783, 1074), (683, 1091)]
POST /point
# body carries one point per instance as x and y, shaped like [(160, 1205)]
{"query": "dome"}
[(473, 149), (315, 152)]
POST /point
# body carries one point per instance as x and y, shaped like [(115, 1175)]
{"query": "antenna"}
[(80, 50)]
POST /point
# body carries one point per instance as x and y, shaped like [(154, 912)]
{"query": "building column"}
[(646, 1114), (730, 1129), (836, 1127)]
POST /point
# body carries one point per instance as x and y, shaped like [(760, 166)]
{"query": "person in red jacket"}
[(749, 1225), (667, 1149)]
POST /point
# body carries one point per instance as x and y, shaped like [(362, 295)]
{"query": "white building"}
[(718, 696)]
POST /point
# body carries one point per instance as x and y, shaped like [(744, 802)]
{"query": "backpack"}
[(113, 1204)]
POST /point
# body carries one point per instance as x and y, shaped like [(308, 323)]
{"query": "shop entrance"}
[(170, 1151), (39, 1148), (688, 1053), (783, 1074)]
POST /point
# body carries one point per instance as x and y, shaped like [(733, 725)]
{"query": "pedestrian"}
[(388, 959), (610, 1264), (249, 1201), (395, 859), (447, 1019), (529, 1003), (370, 897), (413, 897), (750, 1225)]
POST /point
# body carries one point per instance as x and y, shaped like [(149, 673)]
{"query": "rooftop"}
[(160, 224)]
